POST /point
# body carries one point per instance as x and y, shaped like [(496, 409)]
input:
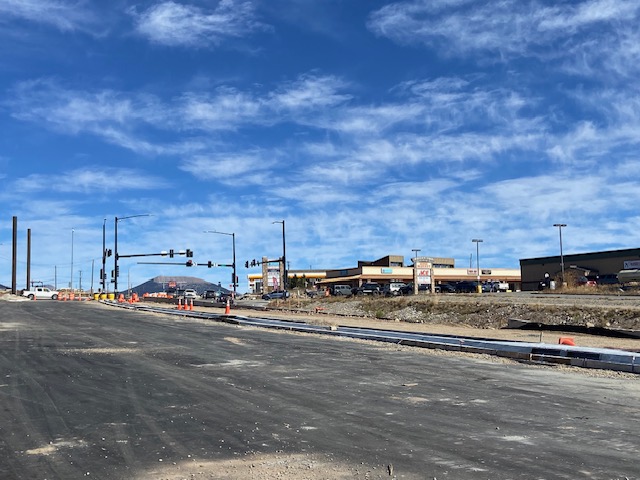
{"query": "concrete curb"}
[(583, 357)]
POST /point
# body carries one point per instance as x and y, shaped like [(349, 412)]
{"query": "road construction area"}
[(92, 391)]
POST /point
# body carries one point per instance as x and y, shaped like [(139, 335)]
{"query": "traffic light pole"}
[(234, 279), (115, 249), (103, 273)]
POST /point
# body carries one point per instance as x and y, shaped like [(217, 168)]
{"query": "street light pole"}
[(415, 270), (560, 225), (71, 281), (478, 241), (115, 249), (104, 256), (233, 238), (284, 257)]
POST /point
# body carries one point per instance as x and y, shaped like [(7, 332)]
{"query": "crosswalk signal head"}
[(189, 253)]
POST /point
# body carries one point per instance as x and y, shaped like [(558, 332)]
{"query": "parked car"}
[(393, 288), (407, 288), (445, 288), (489, 287), (275, 295), (607, 279), (338, 290), (370, 288), (466, 286), (314, 293)]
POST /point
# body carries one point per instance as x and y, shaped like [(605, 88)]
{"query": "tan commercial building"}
[(392, 268)]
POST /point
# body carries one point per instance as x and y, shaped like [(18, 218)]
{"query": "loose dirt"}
[(479, 316)]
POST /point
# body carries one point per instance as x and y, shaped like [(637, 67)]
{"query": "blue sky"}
[(371, 127)]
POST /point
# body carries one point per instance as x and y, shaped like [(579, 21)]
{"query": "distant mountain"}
[(170, 283), (2, 287)]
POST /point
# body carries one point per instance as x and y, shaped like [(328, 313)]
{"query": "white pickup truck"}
[(40, 293)]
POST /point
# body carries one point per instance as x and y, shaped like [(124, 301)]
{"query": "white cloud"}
[(309, 92), (63, 15), (226, 109), (506, 29), (95, 180), (176, 24), (73, 110), (239, 167)]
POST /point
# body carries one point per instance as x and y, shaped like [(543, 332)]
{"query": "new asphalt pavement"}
[(91, 391)]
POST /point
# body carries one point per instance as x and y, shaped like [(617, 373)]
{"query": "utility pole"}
[(560, 226), (284, 257), (478, 241), (415, 270), (14, 257)]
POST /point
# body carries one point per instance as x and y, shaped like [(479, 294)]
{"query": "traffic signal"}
[(246, 264), (189, 253), (118, 271), (171, 253), (253, 263), (189, 263), (209, 264), (108, 252)]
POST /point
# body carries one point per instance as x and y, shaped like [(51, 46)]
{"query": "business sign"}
[(423, 264), (273, 277), (424, 276), (630, 264), (472, 271), (486, 271), (386, 271)]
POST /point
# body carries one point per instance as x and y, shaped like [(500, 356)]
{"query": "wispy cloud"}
[(236, 167), (65, 15), (119, 117), (509, 28), (176, 24), (309, 92), (96, 180)]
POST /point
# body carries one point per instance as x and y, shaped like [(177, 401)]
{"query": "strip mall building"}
[(390, 269)]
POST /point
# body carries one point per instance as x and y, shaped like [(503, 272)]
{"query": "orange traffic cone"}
[(191, 304), (566, 341), (120, 298), (227, 309), (179, 304)]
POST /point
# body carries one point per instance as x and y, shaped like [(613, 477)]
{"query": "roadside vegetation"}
[(478, 311)]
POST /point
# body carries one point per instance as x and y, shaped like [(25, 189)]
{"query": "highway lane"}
[(88, 391)]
